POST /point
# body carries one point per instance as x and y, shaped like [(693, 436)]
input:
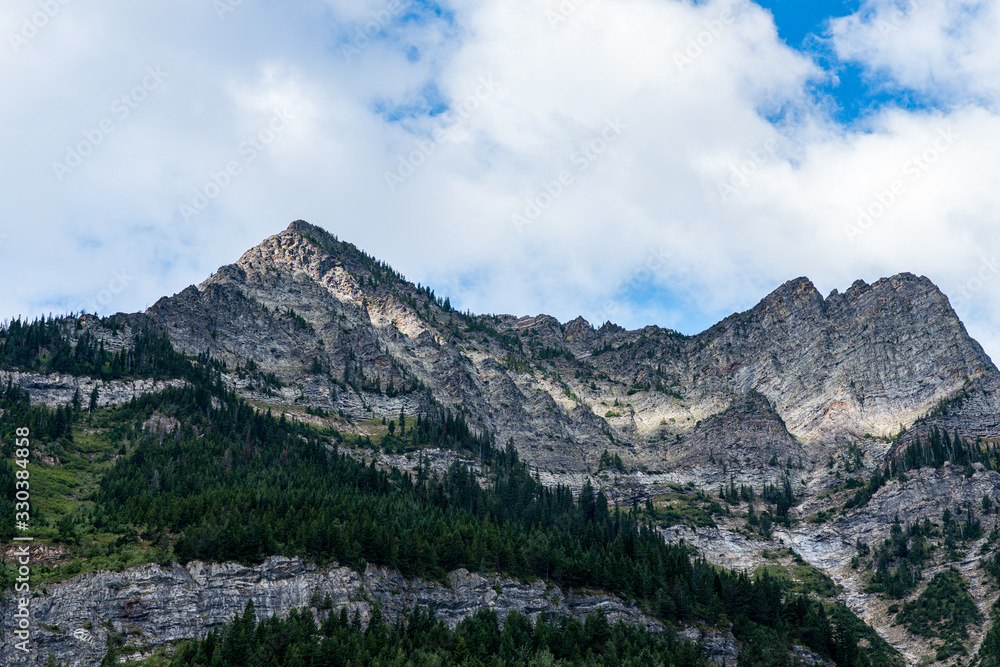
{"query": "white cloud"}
[(946, 50), (687, 88)]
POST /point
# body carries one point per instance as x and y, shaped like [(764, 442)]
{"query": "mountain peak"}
[(304, 227), (793, 296)]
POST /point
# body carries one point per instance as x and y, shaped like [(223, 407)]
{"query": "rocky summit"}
[(842, 444)]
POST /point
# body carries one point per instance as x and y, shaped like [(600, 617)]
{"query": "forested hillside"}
[(217, 479)]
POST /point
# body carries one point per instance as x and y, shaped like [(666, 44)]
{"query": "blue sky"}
[(644, 161), (855, 91), (796, 19)]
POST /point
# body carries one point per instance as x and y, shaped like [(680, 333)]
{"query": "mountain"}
[(845, 445), (855, 367)]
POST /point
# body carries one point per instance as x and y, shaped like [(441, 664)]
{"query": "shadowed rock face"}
[(745, 443)]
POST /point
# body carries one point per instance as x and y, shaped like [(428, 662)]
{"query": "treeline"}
[(418, 638), (45, 424), (354, 376), (509, 341), (611, 462), (439, 427), (239, 484), (940, 448), (991, 565), (46, 346), (53, 427), (780, 499)]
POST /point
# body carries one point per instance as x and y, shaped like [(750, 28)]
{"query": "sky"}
[(640, 161)]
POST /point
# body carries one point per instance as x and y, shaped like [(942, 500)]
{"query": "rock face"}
[(154, 605), (745, 443), (865, 361), (55, 389)]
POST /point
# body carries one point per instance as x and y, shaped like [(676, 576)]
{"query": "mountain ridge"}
[(790, 310)]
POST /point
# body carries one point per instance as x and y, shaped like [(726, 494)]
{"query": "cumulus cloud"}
[(946, 51), (643, 161)]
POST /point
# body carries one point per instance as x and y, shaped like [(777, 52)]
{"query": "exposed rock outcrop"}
[(153, 605)]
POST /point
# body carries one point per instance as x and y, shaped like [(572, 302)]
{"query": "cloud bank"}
[(640, 161)]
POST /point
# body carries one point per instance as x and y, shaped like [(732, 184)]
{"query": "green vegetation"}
[(611, 462), (777, 503), (543, 353), (55, 489), (687, 507), (260, 381), (991, 565), (815, 581), (486, 325), (897, 563), (299, 321), (821, 516), (989, 651), (46, 346), (802, 579), (945, 609), (420, 639), (355, 377), (782, 499), (239, 484)]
